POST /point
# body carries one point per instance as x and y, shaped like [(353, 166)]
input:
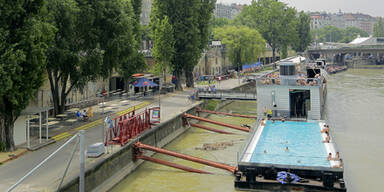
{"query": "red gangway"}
[(186, 115), (138, 155), (128, 126), (198, 109)]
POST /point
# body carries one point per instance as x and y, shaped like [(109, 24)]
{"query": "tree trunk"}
[(9, 121), (189, 78), (3, 139), (178, 81), (273, 57)]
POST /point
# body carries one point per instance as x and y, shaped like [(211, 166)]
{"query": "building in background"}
[(342, 20), (145, 16), (227, 11)]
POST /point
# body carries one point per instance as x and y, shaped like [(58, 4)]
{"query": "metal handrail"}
[(82, 159)]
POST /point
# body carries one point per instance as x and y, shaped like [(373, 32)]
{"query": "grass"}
[(212, 105), (206, 83), (267, 68)]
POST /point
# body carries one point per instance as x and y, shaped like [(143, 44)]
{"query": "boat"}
[(290, 147)]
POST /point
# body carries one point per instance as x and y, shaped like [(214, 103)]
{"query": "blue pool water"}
[(303, 139)]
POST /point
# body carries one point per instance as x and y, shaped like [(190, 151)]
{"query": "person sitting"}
[(85, 115), (327, 139), (340, 165), (245, 125), (329, 157), (325, 129), (79, 115), (337, 157)]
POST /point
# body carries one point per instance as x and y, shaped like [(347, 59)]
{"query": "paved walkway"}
[(48, 176)]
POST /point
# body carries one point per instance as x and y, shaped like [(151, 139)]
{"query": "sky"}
[(371, 7)]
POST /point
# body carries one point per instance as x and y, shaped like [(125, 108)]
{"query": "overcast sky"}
[(371, 7)]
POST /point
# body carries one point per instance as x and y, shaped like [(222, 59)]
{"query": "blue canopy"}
[(144, 82), (252, 66)]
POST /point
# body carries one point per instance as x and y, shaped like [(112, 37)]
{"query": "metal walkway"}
[(227, 95)]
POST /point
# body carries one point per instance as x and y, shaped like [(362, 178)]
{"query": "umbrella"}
[(144, 82)]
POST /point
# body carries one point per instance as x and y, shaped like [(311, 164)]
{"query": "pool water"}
[(303, 139)]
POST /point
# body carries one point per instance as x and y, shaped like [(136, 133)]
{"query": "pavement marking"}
[(61, 136), (141, 105), (64, 135)]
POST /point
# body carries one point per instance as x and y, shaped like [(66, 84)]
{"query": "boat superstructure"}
[(290, 147)]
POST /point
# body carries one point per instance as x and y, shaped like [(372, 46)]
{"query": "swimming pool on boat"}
[(303, 140)]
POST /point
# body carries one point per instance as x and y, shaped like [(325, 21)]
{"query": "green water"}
[(153, 177)]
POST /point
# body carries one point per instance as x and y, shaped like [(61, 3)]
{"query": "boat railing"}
[(292, 81)]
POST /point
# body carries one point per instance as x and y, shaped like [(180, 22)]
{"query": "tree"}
[(273, 19), (190, 23), (220, 22), (163, 48), (24, 38), (328, 34), (94, 39), (351, 33), (244, 44), (378, 28), (334, 34), (303, 29)]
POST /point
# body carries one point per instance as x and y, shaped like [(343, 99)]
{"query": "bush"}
[(212, 105)]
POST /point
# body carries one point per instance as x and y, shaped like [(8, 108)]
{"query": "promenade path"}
[(48, 176)]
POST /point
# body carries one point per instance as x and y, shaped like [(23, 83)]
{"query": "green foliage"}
[(220, 22), (163, 47), (273, 19), (244, 44), (25, 36), (334, 34), (190, 22), (378, 28), (94, 39), (212, 104), (304, 33), (351, 33)]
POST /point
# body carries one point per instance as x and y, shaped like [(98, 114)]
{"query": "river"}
[(354, 108)]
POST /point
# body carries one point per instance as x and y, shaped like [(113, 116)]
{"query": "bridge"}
[(363, 51), (227, 95)]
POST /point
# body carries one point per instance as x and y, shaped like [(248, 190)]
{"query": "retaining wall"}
[(102, 176)]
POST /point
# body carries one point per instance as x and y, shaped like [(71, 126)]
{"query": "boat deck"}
[(293, 146)]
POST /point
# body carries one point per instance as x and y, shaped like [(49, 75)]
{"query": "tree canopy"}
[(190, 22), (378, 28), (163, 47), (334, 34), (275, 21), (304, 33), (94, 39), (244, 45), (24, 38)]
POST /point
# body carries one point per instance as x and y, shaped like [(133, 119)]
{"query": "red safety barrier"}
[(128, 126)]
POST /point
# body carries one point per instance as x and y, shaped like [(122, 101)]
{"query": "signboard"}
[(155, 117)]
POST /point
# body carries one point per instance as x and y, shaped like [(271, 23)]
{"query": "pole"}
[(40, 127), (28, 138), (82, 159), (46, 126), (103, 128), (68, 164), (40, 164)]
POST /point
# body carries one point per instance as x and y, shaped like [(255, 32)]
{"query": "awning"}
[(144, 82)]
